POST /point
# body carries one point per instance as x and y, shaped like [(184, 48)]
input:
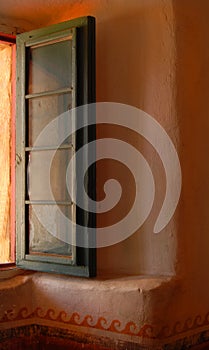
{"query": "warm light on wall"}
[(5, 150)]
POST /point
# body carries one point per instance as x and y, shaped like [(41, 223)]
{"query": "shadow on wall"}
[(193, 109), (135, 66)]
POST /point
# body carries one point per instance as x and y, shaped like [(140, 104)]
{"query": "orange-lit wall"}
[(152, 54), (5, 157)]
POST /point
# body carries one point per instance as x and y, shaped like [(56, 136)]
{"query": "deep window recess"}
[(55, 74), (7, 96)]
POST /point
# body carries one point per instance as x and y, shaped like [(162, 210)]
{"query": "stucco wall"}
[(152, 54), (192, 103)]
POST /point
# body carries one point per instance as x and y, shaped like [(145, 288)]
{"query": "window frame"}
[(85, 71)]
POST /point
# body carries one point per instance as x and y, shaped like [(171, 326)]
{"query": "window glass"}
[(47, 175), (41, 241), (41, 111), (50, 66)]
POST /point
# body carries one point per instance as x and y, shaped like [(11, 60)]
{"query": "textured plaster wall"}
[(192, 79), (135, 65), (117, 311)]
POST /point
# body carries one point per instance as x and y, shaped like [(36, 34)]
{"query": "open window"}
[(7, 97), (55, 74)]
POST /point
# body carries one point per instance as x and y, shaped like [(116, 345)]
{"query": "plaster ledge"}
[(120, 308), (135, 299), (129, 283)]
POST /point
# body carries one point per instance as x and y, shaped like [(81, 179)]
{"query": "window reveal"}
[(6, 189)]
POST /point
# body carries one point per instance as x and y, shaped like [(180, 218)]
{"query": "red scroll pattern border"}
[(132, 329)]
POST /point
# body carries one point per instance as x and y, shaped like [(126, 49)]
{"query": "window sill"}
[(9, 271), (120, 309)]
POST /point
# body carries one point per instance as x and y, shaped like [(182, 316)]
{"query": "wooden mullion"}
[(60, 39), (49, 93), (45, 257), (49, 38), (45, 202), (49, 148), (43, 33), (67, 269)]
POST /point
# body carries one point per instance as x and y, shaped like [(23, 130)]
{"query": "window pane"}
[(50, 66), (40, 239), (45, 180), (42, 111), (5, 156)]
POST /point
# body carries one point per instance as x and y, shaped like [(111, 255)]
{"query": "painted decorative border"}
[(102, 324), (180, 328), (147, 331)]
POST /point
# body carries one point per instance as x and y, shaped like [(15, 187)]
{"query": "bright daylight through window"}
[(7, 62)]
